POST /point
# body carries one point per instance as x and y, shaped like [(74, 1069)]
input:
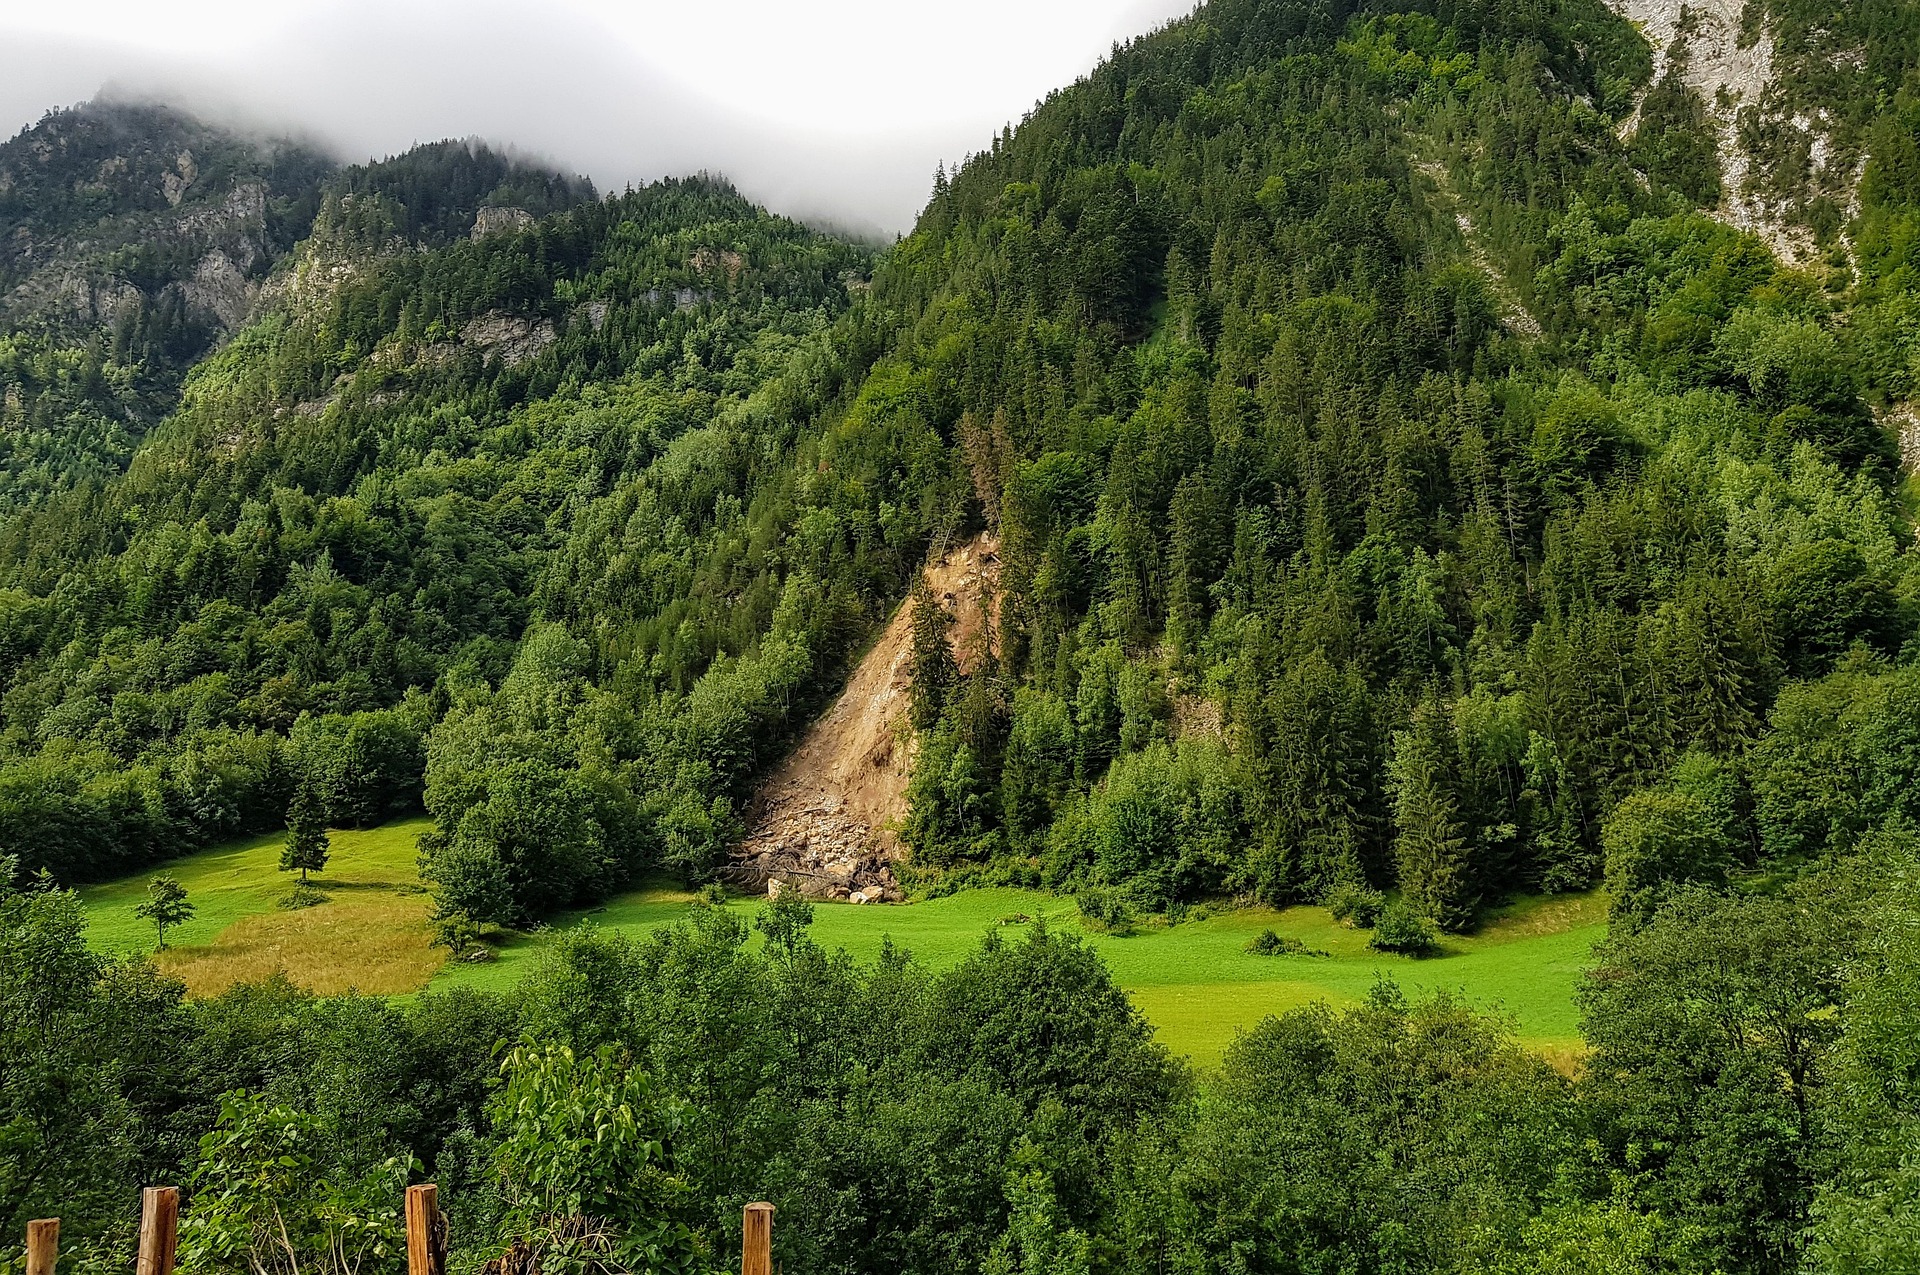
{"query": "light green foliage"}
[(1038, 1240), (1867, 1213), (1606, 1238), (1168, 824), (588, 1137), (1657, 841), (1296, 1149), (73, 1143), (261, 1201), (1709, 1023), (1355, 905)]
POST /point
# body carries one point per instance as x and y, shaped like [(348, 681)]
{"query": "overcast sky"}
[(829, 109)]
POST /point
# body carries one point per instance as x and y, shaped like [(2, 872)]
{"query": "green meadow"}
[(1195, 981)]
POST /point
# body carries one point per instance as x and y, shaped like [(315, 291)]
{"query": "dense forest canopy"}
[(1403, 482)]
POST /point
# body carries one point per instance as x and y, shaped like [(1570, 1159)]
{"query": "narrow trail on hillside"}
[(825, 821), (1513, 311)]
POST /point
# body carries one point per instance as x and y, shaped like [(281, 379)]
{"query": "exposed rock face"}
[(512, 340), (1733, 70), (230, 235), (494, 221), (1903, 419), (824, 822)]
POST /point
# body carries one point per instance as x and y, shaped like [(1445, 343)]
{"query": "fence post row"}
[(426, 1235)]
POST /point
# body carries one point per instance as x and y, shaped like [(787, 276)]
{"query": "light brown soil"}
[(826, 820)]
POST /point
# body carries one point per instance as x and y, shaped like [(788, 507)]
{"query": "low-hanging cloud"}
[(622, 105)]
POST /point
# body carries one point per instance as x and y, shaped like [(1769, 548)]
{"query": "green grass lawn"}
[(371, 934), (1195, 981)]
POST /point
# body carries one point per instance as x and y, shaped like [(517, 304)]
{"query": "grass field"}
[(1194, 981), (371, 934)]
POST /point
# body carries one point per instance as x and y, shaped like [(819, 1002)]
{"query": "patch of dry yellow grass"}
[(1553, 915), (370, 938)]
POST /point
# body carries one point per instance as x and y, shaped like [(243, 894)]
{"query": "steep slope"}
[(827, 818), (417, 458), (132, 239), (1231, 340)]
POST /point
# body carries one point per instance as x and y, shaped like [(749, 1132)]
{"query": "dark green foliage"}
[(1299, 1157), (1657, 841), (1267, 943), (92, 1050), (932, 666), (1403, 929), (1431, 849), (1708, 1024), (1341, 549), (305, 849), (1107, 909), (1355, 905), (166, 906)]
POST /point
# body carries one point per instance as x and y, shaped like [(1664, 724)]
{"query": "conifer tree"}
[(933, 668), (306, 846), (1431, 845)]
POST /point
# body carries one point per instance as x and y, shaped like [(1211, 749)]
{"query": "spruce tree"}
[(306, 845), (933, 667), (1431, 846)]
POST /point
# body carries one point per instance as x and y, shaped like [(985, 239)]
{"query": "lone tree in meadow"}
[(166, 906), (306, 845)]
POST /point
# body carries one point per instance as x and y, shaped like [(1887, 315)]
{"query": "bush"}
[(1105, 910), (1267, 943), (302, 896), (1403, 930), (1355, 905), (457, 932)]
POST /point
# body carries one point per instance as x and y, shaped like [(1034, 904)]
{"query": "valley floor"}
[(1194, 981)]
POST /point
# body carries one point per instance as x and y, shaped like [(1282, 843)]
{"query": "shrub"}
[(1267, 943), (457, 932), (302, 896), (1355, 905), (1403, 930), (1105, 910)]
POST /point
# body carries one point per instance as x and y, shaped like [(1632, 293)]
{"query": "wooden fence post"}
[(43, 1245), (426, 1236), (159, 1229), (756, 1239)]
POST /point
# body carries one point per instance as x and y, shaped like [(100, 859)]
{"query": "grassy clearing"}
[(1195, 981), (370, 935)]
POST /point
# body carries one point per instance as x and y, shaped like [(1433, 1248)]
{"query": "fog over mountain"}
[(838, 114)]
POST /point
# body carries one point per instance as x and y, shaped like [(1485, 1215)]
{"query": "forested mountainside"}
[(1372, 384), (134, 238), (420, 457), (1433, 448), (131, 238)]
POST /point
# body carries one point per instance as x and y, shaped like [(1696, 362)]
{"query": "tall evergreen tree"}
[(1431, 845), (933, 668), (306, 847)]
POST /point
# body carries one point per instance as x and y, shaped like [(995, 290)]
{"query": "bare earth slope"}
[(825, 820)]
